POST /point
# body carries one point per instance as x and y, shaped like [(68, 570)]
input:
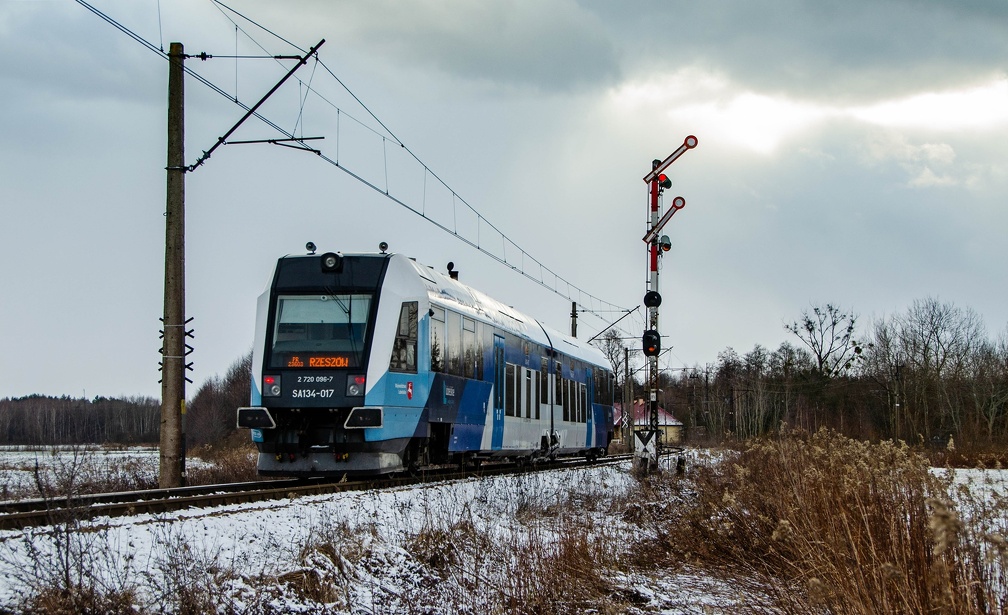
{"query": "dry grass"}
[(552, 560), (79, 471), (837, 525), (80, 601), (797, 524), (231, 460), (965, 454), (76, 471)]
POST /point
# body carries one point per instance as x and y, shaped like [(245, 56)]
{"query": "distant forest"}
[(45, 421), (925, 376), (928, 376)]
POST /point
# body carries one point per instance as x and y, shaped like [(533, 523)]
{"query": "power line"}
[(535, 271)]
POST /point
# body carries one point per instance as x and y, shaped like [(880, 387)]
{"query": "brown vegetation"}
[(793, 524), (229, 460), (841, 526)]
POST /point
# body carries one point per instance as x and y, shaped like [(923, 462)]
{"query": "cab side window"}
[(404, 348)]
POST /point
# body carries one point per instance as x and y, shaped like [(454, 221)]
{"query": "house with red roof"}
[(669, 426)]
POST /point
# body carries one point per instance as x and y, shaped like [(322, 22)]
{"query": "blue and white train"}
[(373, 363)]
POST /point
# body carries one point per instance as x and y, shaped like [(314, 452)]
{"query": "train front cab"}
[(324, 336)]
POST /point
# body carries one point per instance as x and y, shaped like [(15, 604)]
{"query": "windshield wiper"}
[(348, 311)]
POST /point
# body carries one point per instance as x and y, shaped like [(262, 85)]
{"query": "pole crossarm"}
[(616, 322), (302, 60), (299, 141)]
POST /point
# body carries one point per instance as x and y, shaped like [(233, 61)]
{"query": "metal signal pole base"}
[(646, 450)]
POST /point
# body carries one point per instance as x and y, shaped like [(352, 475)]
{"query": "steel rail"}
[(60, 510)]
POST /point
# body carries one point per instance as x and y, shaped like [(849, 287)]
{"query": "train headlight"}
[(332, 262), (271, 386), (355, 385)]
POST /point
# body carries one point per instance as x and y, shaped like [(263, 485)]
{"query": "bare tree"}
[(212, 409), (884, 364), (989, 388), (614, 349), (829, 334), (938, 340)]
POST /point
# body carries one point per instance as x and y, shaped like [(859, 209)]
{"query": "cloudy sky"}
[(850, 153)]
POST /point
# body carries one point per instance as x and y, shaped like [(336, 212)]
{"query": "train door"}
[(497, 439), (589, 409)]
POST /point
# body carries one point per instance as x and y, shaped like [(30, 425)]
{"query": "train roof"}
[(445, 291)]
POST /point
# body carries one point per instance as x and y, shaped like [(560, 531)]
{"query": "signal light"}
[(664, 182), (271, 386), (355, 385), (652, 343), (652, 299)]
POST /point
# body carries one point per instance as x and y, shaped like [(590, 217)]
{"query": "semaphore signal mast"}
[(646, 442)]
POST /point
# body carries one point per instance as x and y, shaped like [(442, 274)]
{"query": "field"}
[(796, 524), (33, 472)]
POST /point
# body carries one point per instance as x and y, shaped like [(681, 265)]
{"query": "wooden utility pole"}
[(173, 365)]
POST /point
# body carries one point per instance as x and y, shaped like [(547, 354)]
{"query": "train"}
[(372, 363)]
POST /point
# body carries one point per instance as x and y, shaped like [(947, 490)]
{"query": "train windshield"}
[(320, 331)]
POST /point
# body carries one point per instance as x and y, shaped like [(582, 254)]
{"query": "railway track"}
[(29, 513)]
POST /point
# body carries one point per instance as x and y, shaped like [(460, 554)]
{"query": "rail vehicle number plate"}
[(312, 393), (315, 379)]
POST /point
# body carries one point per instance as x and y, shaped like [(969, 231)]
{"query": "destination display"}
[(328, 361)]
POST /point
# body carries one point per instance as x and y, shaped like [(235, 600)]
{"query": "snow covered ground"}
[(413, 549), (129, 467), (18, 466), (442, 548)]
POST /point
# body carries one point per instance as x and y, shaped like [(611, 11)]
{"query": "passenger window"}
[(510, 403), (544, 382), (484, 341), (437, 340), (470, 350), (528, 393), (453, 323)]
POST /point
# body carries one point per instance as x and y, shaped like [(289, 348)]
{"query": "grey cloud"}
[(517, 43), (43, 57), (856, 50)]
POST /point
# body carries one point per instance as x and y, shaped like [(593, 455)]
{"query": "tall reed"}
[(841, 526)]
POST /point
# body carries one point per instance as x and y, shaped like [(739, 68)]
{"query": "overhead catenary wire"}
[(520, 261), (160, 31), (189, 71), (455, 196)]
